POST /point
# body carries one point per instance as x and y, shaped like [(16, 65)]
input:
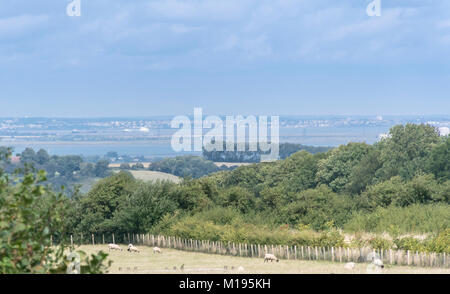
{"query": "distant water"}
[(315, 136)]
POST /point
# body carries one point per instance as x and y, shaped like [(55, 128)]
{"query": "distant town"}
[(151, 136)]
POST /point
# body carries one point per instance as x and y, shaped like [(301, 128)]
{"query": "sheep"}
[(240, 269), (375, 267), (157, 250), (182, 267), (112, 246), (131, 248), (349, 265), (378, 263), (270, 257)]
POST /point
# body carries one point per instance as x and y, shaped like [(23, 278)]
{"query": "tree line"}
[(285, 150), (398, 185)]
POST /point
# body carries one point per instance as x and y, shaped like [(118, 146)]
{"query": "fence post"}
[(103, 237), (71, 240), (93, 243), (332, 254), (114, 240)]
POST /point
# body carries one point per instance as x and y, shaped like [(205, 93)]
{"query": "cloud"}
[(16, 25), (169, 33)]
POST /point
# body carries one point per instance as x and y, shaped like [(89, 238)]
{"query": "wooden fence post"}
[(114, 240), (71, 240), (93, 243), (103, 237)]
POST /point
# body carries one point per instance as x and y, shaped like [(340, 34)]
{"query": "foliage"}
[(439, 161), (407, 150), (30, 216), (336, 168), (414, 218), (185, 166), (285, 150)]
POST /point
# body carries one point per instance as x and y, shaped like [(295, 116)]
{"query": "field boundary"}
[(333, 254)]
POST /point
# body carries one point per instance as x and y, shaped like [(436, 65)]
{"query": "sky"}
[(260, 57)]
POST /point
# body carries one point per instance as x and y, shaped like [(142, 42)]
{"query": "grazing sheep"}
[(375, 267), (270, 257), (378, 262), (112, 246), (349, 266), (157, 250), (131, 248)]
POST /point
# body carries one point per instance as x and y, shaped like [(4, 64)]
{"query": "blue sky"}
[(165, 57)]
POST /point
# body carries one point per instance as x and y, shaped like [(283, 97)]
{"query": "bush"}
[(30, 215), (417, 218)]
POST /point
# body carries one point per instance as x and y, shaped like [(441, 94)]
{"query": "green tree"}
[(42, 157), (28, 155), (99, 205), (148, 203), (238, 197), (363, 173), (406, 151), (335, 170), (439, 161), (101, 168)]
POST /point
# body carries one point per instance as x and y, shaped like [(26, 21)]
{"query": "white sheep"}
[(131, 248), (270, 257), (349, 266), (112, 246), (378, 262), (157, 250), (376, 267)]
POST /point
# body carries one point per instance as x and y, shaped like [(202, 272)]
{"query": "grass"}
[(146, 262), (147, 175)]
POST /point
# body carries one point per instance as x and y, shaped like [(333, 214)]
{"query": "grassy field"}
[(146, 262), (147, 175)]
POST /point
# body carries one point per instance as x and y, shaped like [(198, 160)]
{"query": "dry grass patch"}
[(170, 261)]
